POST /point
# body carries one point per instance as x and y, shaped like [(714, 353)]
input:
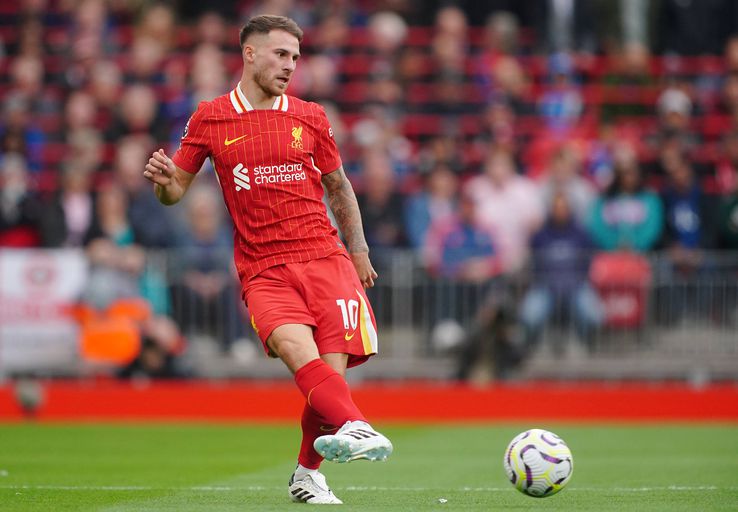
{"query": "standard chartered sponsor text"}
[(281, 173)]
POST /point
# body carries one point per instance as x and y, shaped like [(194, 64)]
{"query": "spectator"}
[(205, 300), (674, 117), (138, 115), (499, 128), (413, 66), (122, 271), (627, 86), (19, 132), (497, 70), (511, 84), (380, 203), (157, 22), (450, 100), (561, 104), (145, 61), (27, 75), (600, 157), (162, 351), (340, 132), (564, 177), (70, 214), (152, 227), (501, 37), (461, 253), (90, 38), (560, 288), (509, 204), (727, 222), (436, 200), (387, 32), (212, 29), (119, 271), (460, 248), (322, 79), (449, 46), (730, 54), (105, 87), (441, 150), (726, 171), (689, 232), (729, 95), (80, 112), (177, 102), (20, 209), (207, 73), (30, 41), (85, 148), (626, 215), (379, 131), (332, 33), (383, 90)]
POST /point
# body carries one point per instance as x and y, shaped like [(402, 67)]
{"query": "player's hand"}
[(364, 268), (160, 169)]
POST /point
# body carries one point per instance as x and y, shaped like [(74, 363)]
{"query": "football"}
[(538, 463)]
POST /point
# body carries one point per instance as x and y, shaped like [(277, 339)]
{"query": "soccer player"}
[(273, 154)]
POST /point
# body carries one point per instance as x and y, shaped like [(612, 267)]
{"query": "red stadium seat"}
[(623, 280)]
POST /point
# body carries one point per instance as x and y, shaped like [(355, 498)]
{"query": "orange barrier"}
[(401, 402)]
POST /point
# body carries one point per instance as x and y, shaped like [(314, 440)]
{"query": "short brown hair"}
[(265, 23)]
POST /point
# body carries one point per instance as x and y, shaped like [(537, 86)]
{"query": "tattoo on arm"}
[(345, 208)]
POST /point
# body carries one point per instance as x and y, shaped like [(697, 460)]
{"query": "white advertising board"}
[(36, 289)]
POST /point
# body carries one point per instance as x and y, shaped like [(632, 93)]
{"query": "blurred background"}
[(549, 188)]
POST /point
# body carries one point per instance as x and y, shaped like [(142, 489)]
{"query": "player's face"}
[(274, 60)]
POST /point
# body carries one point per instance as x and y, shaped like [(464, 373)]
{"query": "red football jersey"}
[(269, 164)]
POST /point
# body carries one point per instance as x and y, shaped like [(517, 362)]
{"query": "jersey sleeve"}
[(325, 156), (194, 147)]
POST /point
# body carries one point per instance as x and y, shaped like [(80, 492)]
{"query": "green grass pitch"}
[(203, 467)]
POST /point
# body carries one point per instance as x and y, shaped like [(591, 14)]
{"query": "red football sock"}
[(327, 392), (313, 426)]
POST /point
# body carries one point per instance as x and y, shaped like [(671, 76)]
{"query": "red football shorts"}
[(326, 294)]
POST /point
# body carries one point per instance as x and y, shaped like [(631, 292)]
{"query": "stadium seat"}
[(623, 280)]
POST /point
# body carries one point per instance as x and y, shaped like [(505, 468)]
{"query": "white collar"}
[(241, 104)]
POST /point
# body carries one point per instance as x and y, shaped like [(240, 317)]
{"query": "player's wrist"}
[(358, 249), (167, 195)]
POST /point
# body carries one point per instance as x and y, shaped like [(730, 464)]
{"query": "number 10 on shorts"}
[(349, 312)]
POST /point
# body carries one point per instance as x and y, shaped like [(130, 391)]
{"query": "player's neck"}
[(257, 98)]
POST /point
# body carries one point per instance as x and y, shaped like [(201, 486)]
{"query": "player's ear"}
[(248, 53)]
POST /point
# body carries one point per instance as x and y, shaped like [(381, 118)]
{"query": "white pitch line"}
[(222, 488)]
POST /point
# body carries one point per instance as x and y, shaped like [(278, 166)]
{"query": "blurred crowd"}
[(488, 137)]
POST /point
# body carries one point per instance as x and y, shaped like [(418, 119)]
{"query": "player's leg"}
[(345, 334), (327, 396), (324, 388), (313, 426), (273, 300)]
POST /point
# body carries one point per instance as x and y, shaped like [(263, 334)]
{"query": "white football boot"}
[(313, 489), (355, 440)]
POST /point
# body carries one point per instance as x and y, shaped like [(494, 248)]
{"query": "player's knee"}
[(294, 346)]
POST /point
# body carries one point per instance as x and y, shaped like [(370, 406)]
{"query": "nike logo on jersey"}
[(228, 141), (347, 337)]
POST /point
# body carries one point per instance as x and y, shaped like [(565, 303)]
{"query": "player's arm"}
[(345, 208), (170, 182)]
